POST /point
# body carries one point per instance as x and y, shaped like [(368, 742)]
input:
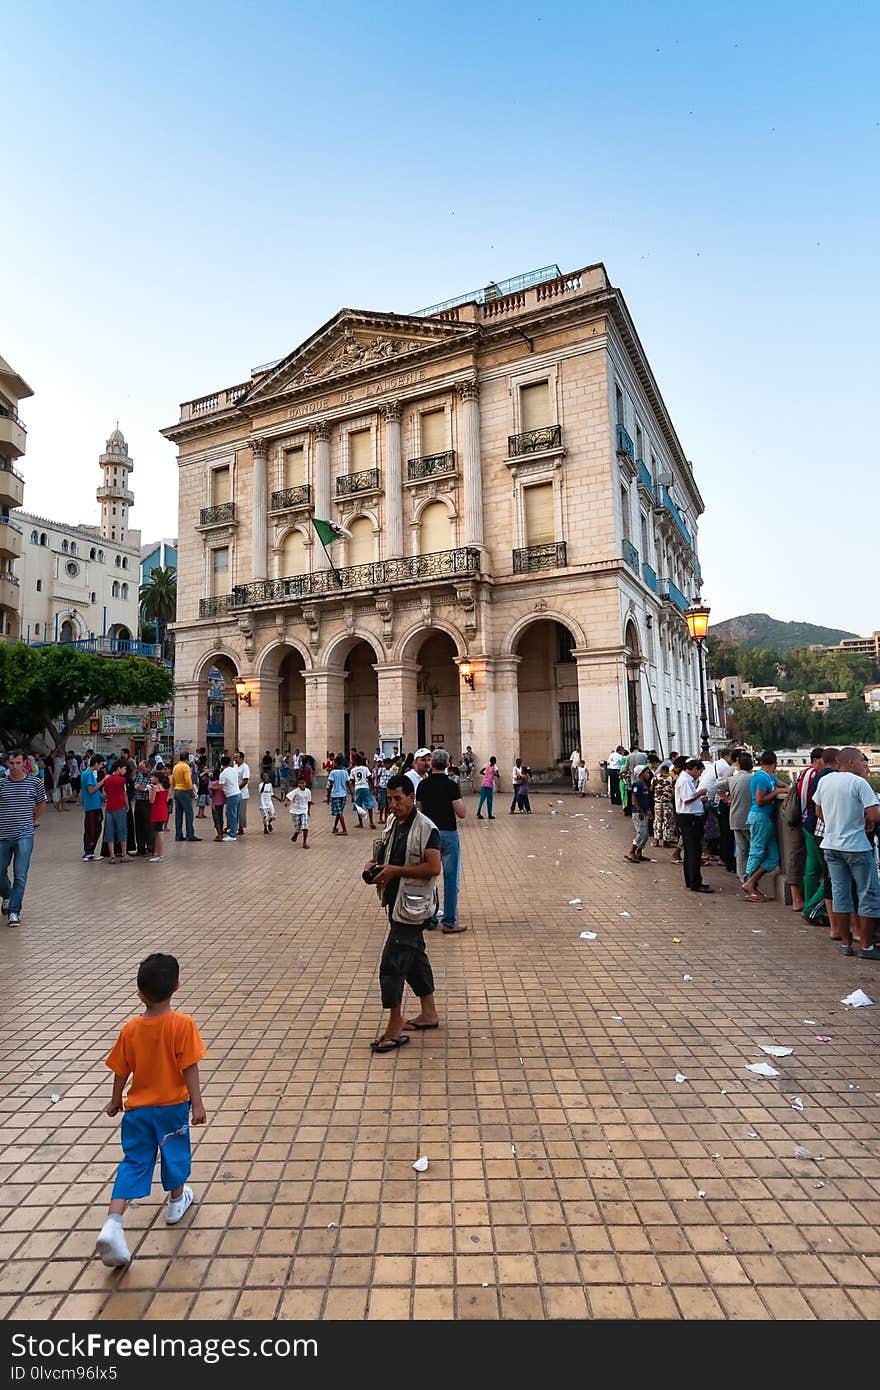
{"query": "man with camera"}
[(404, 868)]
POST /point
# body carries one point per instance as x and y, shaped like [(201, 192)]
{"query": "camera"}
[(372, 873)]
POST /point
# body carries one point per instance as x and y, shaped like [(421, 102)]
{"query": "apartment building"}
[(13, 442)]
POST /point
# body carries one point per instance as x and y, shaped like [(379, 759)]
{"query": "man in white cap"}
[(419, 769)]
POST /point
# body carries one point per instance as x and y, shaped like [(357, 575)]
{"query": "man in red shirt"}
[(116, 814)]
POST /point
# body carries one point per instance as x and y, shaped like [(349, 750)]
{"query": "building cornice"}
[(93, 536)]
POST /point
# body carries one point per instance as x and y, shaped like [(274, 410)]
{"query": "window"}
[(93, 553), (221, 486), (639, 443), (34, 538), (293, 555), (569, 725), (125, 562), (360, 451), (534, 406), (124, 591), (618, 406), (64, 545), (73, 549), (624, 512), (39, 586), (71, 569), (118, 561), (564, 644), (114, 591), (220, 570), (294, 469), (93, 597), (44, 539), (361, 549), (432, 432), (539, 517), (645, 551), (435, 529), (100, 557), (36, 629)]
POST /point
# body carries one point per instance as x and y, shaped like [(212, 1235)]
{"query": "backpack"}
[(791, 807)]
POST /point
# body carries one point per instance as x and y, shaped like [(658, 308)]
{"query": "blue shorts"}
[(363, 797), (115, 827), (337, 805), (382, 798), (764, 845), (149, 1130)]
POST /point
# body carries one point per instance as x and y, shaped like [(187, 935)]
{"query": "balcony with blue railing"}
[(625, 444), (631, 555), (650, 577), (110, 646), (644, 476), (673, 594), (669, 506)]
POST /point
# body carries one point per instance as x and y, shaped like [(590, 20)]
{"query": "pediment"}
[(355, 342)]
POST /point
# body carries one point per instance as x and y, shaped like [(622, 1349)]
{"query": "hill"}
[(753, 630)]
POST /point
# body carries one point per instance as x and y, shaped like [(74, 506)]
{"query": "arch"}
[(435, 528), (368, 512), (67, 631), (632, 639), (509, 645), (294, 556), (114, 589), (121, 632), (118, 561), (35, 538), (93, 553), (73, 548), (125, 562), (361, 549), (100, 557), (548, 704), (268, 663), (64, 545), (124, 591), (407, 649), (338, 648), (424, 502), (204, 664), (44, 539), (633, 661)]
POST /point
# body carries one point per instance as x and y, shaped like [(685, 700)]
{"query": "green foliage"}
[(752, 630), (46, 690), (158, 600)]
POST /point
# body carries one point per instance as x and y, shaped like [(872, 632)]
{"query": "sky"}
[(192, 190)]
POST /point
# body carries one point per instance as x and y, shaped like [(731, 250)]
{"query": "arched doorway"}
[(435, 529), (637, 730), (438, 710), (221, 730), (292, 704), (547, 693), (67, 631), (360, 699)]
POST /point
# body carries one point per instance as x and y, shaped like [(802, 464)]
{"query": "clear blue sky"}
[(193, 189)]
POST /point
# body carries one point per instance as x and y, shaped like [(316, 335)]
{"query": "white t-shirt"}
[(299, 799), (360, 776), (517, 771), (415, 777), (844, 799), (243, 771), (575, 757), (297, 762), (266, 797), (613, 761), (685, 788), (228, 780)]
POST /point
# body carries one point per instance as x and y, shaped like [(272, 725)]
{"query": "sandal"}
[(421, 1027), (389, 1044)]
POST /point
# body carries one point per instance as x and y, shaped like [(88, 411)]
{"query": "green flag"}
[(329, 531)]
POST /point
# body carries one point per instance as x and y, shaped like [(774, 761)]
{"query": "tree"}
[(45, 691), (158, 600)]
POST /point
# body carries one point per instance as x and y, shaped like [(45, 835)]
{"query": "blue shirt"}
[(338, 782), (641, 796), (17, 803), (91, 797), (765, 782)]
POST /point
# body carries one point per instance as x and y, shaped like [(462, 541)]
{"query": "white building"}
[(79, 583)]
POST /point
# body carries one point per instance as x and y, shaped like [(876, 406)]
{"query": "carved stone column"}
[(260, 500), (393, 483), (322, 486), (325, 705), (469, 393)]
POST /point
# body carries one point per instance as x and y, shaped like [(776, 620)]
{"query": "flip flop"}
[(389, 1044), (426, 1027)]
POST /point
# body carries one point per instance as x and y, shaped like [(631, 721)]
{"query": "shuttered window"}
[(220, 569), (221, 486), (540, 522), (294, 467), (433, 432), (293, 555), (360, 453), (435, 531), (534, 406), (361, 550)]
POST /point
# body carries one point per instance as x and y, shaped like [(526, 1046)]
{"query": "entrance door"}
[(421, 724), (346, 734), (569, 726)]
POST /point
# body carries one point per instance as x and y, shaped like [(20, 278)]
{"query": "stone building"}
[(523, 536), (13, 442)]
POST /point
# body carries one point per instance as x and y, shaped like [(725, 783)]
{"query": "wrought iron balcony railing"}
[(670, 591), (440, 564), (217, 516), (631, 555), (350, 484), (6, 467), (215, 606), (625, 444), (14, 416), (645, 476), (291, 497), (539, 557), (666, 502), (430, 465), (650, 577), (534, 441)]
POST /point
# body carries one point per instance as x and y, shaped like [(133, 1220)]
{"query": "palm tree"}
[(158, 600)]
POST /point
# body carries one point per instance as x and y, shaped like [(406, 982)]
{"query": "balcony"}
[(110, 646), (9, 589), (441, 564), (290, 497), (625, 445), (11, 486), (644, 477), (531, 559), (216, 607), (650, 577), (667, 504), (430, 466), (540, 441), (355, 484), (13, 435), (116, 494), (672, 594), (11, 539), (221, 515), (218, 400), (631, 555)]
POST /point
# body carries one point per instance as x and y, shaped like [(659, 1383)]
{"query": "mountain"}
[(754, 630)]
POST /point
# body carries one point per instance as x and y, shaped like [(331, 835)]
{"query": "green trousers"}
[(814, 881)]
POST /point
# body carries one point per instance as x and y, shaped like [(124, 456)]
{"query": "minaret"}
[(114, 496)]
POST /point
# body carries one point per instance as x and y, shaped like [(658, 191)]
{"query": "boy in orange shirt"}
[(160, 1050)]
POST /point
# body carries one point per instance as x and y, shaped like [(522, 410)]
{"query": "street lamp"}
[(697, 619)]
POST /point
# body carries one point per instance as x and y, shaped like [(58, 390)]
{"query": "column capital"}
[(259, 448), (392, 411), (322, 429), (468, 390)]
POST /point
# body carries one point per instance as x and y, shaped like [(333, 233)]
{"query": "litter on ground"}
[(858, 999), (680, 1077), (589, 935), (797, 1103), (421, 1165), (776, 1051), (761, 1069)]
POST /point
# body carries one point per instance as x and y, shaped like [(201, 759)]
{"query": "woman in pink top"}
[(488, 784)]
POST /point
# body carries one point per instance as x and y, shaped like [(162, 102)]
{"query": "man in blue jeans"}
[(847, 805), (22, 799), (439, 798)]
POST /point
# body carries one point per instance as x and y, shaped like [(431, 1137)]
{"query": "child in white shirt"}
[(300, 799), (582, 775), (267, 805)]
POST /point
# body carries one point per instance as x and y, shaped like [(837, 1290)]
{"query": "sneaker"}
[(156, 859), (111, 1244), (178, 1205), (14, 919), (229, 839), (87, 858)]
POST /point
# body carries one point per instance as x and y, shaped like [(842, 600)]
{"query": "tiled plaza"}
[(570, 1175)]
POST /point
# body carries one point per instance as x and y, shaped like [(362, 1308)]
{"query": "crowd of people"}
[(821, 831)]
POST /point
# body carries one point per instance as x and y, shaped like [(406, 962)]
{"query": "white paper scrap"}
[(814, 1021), (421, 1165), (54, 1097), (687, 978), (762, 1069), (680, 1077), (618, 1018), (589, 935), (797, 1103), (701, 1193), (623, 914), (858, 999), (776, 1051), (575, 902)]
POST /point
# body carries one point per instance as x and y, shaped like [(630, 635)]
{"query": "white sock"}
[(115, 1216)]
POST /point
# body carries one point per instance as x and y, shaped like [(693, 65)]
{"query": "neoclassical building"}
[(523, 541)]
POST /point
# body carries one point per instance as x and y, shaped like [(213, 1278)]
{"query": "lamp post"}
[(697, 619)]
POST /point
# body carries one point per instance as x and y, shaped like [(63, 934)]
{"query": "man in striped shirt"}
[(22, 799)]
